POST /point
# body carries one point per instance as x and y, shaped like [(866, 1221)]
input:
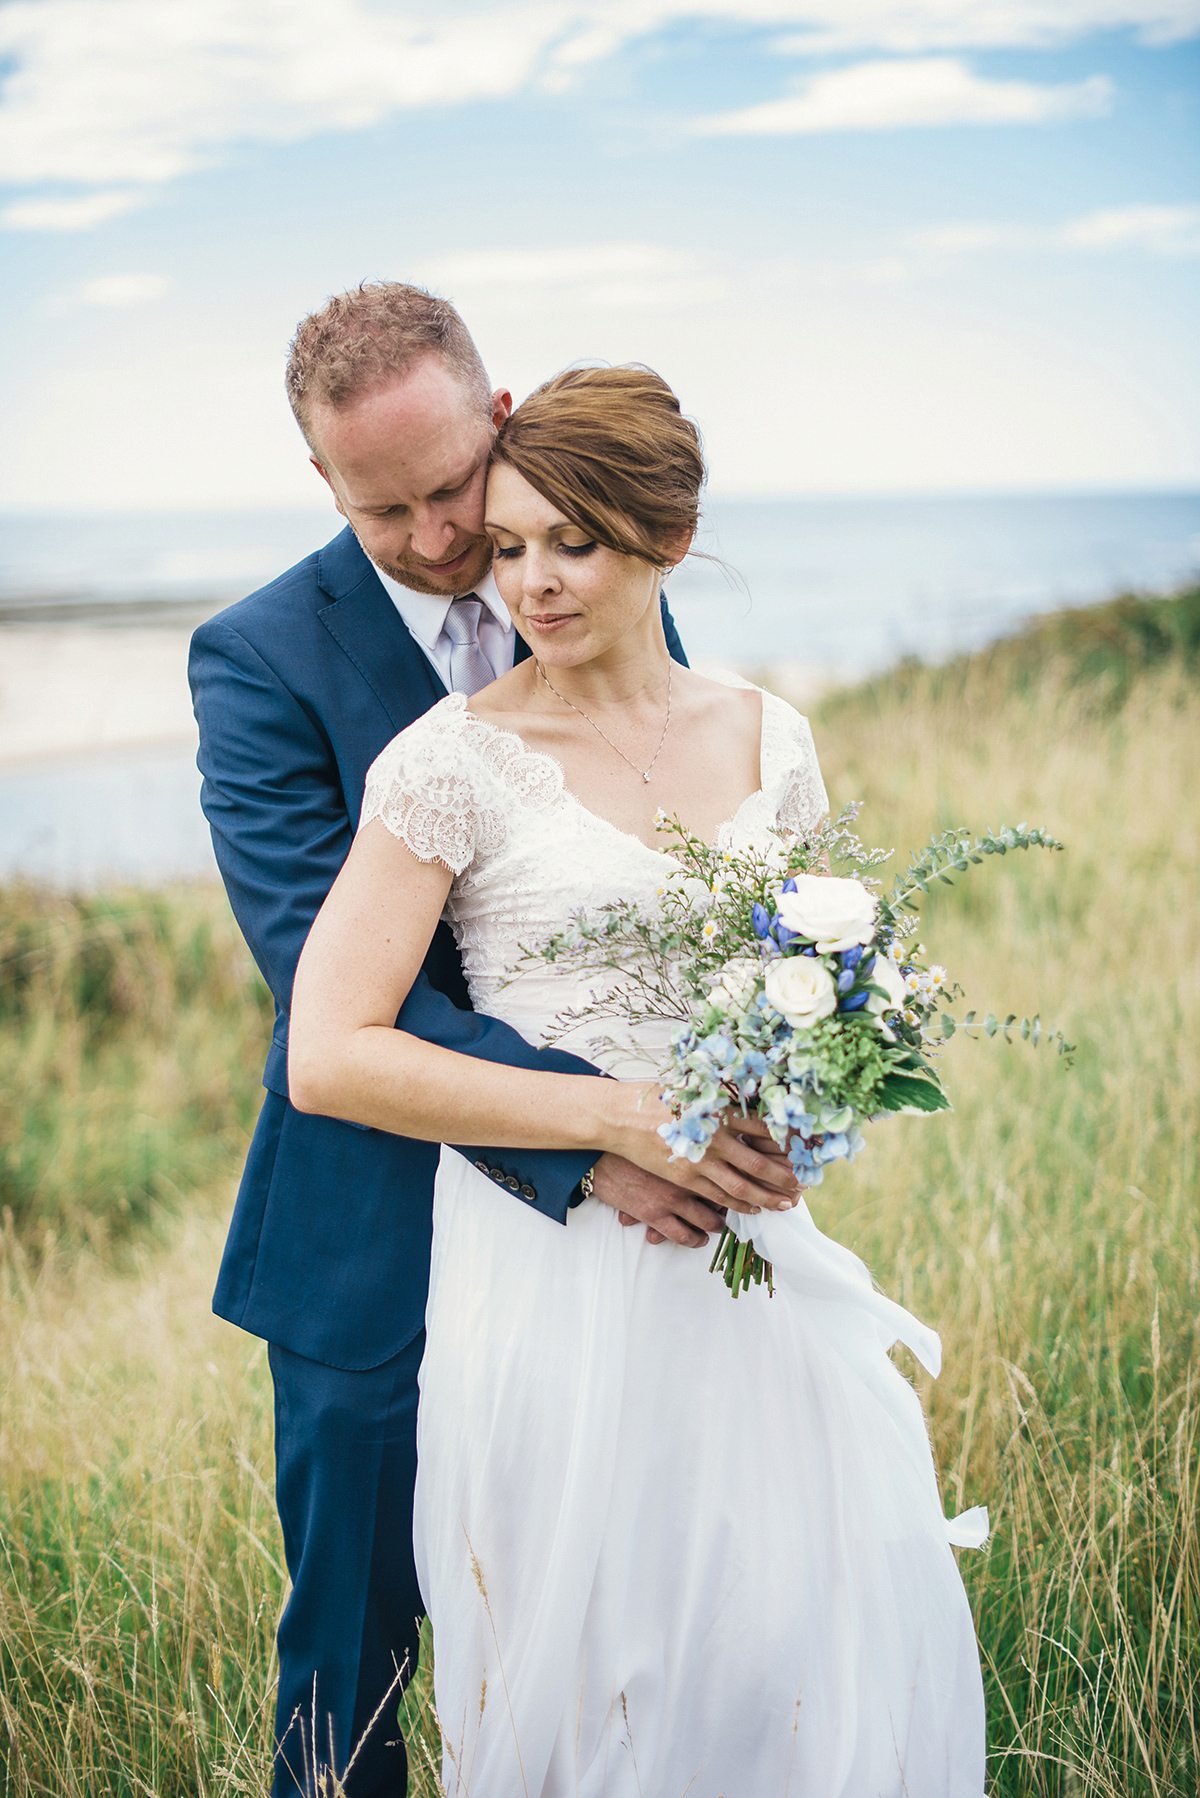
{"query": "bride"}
[(668, 1542)]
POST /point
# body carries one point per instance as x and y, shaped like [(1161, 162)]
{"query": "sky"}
[(875, 245)]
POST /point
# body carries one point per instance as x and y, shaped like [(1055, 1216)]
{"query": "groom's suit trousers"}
[(345, 1465)]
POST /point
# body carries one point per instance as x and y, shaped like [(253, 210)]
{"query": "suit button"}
[(529, 1192), (483, 1167), (497, 1174)]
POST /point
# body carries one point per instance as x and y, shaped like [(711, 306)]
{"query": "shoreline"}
[(73, 691)]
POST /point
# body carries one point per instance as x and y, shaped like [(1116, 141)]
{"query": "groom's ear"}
[(337, 502), (501, 406)]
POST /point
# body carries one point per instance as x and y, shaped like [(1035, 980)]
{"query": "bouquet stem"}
[(740, 1264)]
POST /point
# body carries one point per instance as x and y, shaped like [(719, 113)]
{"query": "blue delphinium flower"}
[(761, 919), (783, 936)]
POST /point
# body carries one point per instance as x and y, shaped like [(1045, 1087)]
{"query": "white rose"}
[(734, 985), (801, 989), (886, 974), (836, 914)]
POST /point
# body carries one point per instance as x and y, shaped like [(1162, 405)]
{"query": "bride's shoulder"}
[(781, 722), (443, 733), (789, 768), (436, 788)]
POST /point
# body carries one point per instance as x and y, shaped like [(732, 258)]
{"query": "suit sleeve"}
[(281, 830)]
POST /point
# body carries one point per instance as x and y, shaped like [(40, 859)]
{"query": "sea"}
[(839, 586)]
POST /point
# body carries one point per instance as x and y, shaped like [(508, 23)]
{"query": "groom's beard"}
[(421, 577)]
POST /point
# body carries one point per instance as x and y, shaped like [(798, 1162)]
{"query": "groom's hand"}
[(741, 1170), (669, 1213)]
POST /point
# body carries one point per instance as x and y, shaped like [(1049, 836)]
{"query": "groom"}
[(297, 689)]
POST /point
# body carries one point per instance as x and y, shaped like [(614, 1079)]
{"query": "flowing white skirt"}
[(672, 1542)]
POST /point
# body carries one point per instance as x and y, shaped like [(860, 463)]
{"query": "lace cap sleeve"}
[(432, 791), (791, 773)]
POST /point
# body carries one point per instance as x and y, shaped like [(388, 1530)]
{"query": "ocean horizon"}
[(847, 581), (835, 588)]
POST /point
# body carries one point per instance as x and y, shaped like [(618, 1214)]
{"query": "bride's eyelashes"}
[(508, 552)]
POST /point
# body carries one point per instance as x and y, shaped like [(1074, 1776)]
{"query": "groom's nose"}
[(432, 534)]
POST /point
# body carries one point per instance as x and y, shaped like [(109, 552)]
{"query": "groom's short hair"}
[(371, 336)]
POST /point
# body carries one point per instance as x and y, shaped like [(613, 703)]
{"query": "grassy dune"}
[(1049, 1229)]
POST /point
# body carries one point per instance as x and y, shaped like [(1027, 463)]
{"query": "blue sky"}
[(877, 245)]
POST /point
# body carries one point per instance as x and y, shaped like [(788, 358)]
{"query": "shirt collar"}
[(425, 613)]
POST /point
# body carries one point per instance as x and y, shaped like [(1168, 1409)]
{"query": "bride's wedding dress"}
[(670, 1542)]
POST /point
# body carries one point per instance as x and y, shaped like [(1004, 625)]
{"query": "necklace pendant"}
[(646, 778)]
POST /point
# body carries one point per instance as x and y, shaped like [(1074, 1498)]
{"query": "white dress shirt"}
[(425, 616)]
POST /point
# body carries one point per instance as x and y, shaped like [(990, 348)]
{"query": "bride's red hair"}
[(612, 450)]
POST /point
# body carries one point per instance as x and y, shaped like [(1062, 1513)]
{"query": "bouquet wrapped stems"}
[(740, 1264)]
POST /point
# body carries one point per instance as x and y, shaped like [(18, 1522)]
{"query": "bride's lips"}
[(548, 622)]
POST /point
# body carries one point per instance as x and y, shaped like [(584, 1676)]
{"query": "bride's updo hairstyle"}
[(612, 450)]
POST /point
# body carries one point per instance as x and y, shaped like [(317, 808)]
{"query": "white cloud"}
[(121, 290), (79, 212), (1161, 230), (887, 96), (905, 28), (143, 90), (107, 92), (1168, 230), (605, 275), (568, 265)]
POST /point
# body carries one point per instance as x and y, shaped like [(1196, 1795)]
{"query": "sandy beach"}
[(70, 689)]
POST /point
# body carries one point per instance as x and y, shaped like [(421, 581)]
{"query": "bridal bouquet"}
[(797, 993)]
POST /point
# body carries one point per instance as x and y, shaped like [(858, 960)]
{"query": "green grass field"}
[(1050, 1229)]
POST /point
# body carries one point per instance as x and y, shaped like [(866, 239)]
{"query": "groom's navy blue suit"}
[(297, 689)]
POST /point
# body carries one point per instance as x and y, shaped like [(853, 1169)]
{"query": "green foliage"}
[(132, 1032), (1097, 654), (910, 1093)]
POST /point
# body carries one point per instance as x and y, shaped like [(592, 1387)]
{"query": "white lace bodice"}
[(526, 853)]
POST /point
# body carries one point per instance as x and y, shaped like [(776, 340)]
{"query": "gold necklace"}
[(644, 772)]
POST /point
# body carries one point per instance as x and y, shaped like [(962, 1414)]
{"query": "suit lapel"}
[(366, 626)]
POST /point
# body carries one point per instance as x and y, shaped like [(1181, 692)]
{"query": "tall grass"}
[(132, 1033), (1048, 1228)]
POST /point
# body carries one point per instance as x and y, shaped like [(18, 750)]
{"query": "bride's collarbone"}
[(702, 771), (703, 793)]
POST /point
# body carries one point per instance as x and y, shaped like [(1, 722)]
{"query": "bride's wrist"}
[(622, 1115)]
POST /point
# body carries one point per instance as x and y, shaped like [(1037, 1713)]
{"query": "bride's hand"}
[(742, 1170)]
